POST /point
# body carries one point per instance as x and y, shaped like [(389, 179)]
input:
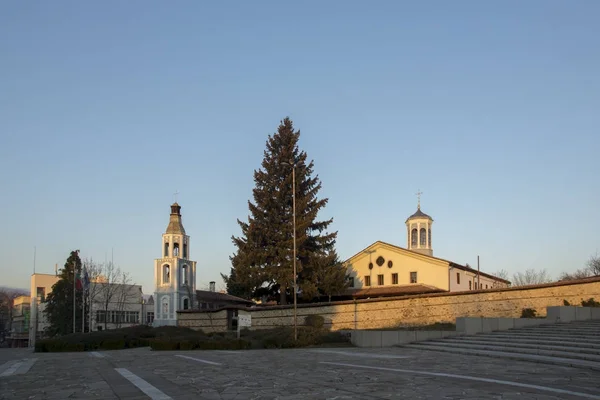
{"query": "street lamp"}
[(293, 165)]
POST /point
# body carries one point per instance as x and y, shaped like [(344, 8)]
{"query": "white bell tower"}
[(174, 273), (418, 230)]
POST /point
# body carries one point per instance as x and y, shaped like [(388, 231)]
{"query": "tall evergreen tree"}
[(263, 262), (59, 303)]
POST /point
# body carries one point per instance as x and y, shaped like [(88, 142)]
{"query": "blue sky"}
[(490, 108)]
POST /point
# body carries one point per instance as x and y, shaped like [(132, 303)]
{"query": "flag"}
[(86, 279), (78, 284)]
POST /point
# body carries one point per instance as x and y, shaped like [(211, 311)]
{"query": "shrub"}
[(566, 303), (315, 321), (528, 313), (590, 303)]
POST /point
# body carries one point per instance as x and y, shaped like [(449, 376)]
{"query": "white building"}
[(174, 273)]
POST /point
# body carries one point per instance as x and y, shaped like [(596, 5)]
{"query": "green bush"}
[(315, 321), (566, 303), (528, 313), (590, 303)]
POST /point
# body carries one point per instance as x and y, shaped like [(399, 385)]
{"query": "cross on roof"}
[(419, 193), (175, 195)]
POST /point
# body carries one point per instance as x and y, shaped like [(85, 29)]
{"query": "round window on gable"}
[(390, 264), (380, 260), (370, 265)]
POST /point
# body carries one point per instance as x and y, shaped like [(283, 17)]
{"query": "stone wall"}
[(410, 310)]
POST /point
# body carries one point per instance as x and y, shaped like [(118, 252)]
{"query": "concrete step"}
[(549, 336), (503, 347), (483, 338), (561, 346), (564, 331), (510, 355)]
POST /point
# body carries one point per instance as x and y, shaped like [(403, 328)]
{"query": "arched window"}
[(184, 275), (423, 235), (186, 303), (429, 237), (166, 274), (185, 250), (413, 237), (166, 250), (165, 306), (175, 249)]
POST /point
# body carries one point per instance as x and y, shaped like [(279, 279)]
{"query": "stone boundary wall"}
[(409, 310)]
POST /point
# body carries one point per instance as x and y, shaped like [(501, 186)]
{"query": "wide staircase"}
[(575, 344)]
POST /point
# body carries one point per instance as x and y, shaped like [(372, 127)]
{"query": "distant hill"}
[(14, 291)]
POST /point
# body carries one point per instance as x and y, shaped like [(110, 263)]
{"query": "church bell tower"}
[(174, 273), (418, 229)]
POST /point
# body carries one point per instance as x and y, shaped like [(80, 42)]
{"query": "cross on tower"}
[(419, 193), (175, 195)]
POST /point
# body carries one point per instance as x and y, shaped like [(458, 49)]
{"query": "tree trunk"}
[(283, 295)]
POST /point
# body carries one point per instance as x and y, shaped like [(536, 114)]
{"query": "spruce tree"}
[(59, 303), (263, 264)]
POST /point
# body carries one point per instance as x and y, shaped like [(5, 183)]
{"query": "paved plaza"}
[(336, 374)]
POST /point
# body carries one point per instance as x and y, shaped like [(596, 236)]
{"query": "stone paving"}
[(335, 374)]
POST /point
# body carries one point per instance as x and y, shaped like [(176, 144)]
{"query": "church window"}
[(470, 285), (165, 306), (458, 278), (413, 277), (367, 280), (429, 237), (185, 250), (486, 286), (166, 250), (423, 235), (380, 260), (394, 279), (186, 304), (175, 249), (413, 237), (184, 275), (166, 274), (380, 280)]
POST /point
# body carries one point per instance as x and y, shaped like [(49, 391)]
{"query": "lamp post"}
[(293, 165)]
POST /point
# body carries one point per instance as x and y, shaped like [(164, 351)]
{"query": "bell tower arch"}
[(418, 230)]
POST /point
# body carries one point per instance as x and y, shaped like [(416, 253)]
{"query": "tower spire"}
[(175, 195), (419, 193)]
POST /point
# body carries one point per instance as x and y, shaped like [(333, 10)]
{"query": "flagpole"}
[(90, 303), (74, 307), (83, 310)]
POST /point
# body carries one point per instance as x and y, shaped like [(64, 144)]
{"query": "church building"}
[(174, 273), (384, 269)]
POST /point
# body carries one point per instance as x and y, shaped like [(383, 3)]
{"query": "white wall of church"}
[(461, 280)]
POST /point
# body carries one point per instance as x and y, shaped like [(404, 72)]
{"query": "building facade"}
[(174, 273), (383, 269)]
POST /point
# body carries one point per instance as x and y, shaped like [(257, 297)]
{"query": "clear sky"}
[(492, 109)]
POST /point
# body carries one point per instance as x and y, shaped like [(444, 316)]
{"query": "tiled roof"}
[(419, 214), (206, 295), (392, 290)]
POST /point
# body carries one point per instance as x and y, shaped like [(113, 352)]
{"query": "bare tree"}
[(593, 265), (108, 289), (592, 268), (94, 271), (502, 274), (531, 277), (124, 295)]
